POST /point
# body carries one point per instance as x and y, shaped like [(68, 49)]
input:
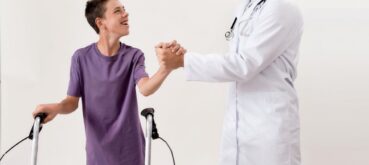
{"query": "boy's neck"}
[(108, 46)]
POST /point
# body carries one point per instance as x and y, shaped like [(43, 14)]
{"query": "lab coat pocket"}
[(246, 28)]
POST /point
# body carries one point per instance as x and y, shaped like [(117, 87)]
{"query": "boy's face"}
[(115, 19)]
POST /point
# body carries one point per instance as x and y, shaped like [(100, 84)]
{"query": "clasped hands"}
[(170, 55)]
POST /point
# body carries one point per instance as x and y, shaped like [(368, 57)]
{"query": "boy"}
[(104, 75)]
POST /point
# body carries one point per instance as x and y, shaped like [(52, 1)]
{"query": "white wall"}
[(39, 37), (333, 83), (0, 74)]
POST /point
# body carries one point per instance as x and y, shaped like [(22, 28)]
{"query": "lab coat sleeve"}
[(276, 29)]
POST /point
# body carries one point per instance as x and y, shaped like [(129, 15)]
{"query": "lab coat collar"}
[(245, 15)]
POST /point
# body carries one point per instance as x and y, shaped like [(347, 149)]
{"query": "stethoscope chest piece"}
[(230, 34)]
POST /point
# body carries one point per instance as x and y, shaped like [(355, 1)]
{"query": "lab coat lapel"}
[(248, 10)]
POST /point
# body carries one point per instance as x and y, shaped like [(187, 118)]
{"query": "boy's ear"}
[(98, 22)]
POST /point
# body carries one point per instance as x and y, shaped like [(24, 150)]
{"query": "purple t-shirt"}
[(107, 87)]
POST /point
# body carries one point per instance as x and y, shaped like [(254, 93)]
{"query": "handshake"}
[(170, 55)]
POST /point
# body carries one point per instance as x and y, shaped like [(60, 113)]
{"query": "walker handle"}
[(42, 117)]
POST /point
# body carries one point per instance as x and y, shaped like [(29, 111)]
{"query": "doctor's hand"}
[(170, 55), (175, 47)]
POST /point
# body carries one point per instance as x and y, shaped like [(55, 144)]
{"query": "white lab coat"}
[(261, 125)]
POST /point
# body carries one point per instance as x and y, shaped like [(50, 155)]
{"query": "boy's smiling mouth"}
[(125, 22)]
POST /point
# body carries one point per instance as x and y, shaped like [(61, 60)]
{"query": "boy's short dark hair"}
[(95, 9)]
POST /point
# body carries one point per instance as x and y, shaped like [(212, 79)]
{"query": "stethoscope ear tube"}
[(234, 22)]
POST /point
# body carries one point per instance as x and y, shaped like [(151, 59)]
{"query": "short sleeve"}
[(75, 85), (139, 67)]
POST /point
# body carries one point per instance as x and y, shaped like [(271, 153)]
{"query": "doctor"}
[(261, 125)]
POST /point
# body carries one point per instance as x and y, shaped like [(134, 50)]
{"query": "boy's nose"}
[(125, 14)]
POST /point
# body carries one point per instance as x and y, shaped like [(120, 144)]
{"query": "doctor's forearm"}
[(216, 67)]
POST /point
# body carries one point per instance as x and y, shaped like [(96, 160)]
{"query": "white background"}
[(39, 37)]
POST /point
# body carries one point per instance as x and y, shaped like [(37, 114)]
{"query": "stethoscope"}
[(229, 34)]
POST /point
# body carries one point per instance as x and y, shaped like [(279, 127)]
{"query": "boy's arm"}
[(148, 86), (171, 51), (66, 106)]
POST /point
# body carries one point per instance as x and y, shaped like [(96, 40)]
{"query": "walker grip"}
[(42, 117)]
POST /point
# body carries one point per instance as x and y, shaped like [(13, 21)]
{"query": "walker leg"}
[(151, 132), (36, 129), (148, 139)]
